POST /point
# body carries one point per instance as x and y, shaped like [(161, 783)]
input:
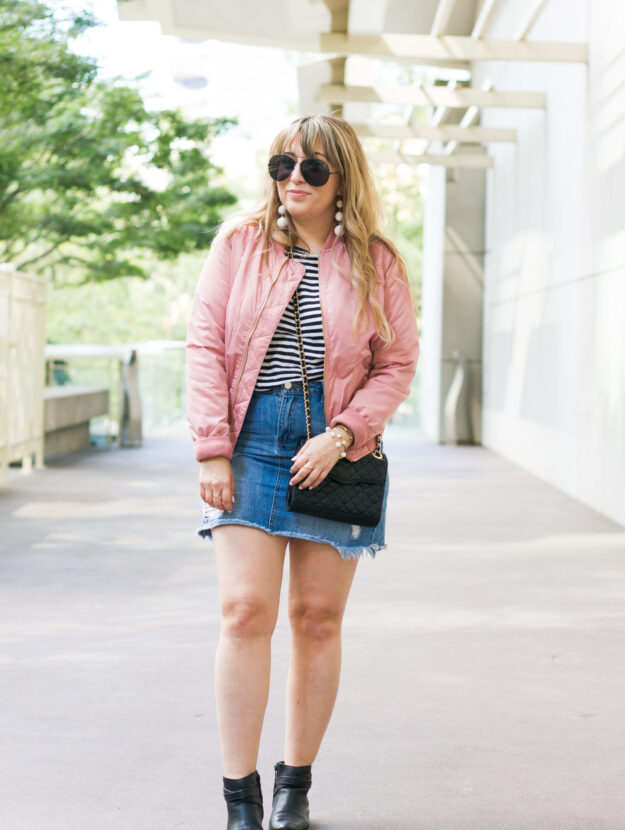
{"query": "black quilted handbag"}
[(353, 491)]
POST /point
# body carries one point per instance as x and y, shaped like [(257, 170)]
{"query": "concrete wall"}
[(554, 304), (452, 301), (431, 301)]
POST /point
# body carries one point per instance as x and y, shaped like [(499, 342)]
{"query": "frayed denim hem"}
[(357, 553), (345, 551)]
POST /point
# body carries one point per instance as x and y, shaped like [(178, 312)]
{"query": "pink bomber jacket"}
[(235, 311)]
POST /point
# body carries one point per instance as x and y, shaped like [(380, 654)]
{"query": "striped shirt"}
[(282, 360)]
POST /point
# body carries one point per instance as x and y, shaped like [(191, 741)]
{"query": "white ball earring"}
[(338, 230), (282, 221)]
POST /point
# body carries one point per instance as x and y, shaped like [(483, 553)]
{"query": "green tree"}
[(89, 179)]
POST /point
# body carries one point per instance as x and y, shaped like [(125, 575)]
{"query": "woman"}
[(316, 230)]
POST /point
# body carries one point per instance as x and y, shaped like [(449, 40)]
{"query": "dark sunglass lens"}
[(281, 167), (315, 172)]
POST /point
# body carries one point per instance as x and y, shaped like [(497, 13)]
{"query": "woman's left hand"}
[(315, 460)]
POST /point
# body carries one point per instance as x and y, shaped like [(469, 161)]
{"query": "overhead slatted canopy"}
[(434, 121)]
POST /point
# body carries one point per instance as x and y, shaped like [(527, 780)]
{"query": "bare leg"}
[(319, 585), (249, 570)]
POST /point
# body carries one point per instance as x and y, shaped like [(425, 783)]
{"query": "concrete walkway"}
[(483, 682)]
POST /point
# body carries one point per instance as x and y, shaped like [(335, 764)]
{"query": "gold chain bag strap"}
[(353, 491)]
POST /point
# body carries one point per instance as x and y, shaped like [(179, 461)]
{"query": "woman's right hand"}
[(217, 482)]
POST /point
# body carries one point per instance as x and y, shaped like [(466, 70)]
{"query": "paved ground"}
[(483, 682)]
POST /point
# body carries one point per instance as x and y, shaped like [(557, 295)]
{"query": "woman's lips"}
[(297, 193)]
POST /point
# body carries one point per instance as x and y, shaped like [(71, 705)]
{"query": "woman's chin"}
[(301, 214), (297, 208)]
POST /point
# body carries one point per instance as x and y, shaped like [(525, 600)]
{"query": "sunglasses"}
[(314, 171)]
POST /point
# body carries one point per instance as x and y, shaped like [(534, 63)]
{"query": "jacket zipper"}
[(325, 354), (247, 345)]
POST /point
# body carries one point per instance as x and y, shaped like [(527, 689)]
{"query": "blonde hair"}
[(362, 209)]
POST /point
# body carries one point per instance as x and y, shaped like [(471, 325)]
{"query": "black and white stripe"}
[(282, 361)]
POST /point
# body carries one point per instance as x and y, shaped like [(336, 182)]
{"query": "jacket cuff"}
[(205, 448), (356, 423)]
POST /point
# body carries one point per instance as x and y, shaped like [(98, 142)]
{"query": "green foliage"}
[(89, 179), (129, 309), (403, 203)]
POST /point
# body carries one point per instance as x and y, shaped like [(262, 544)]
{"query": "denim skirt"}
[(261, 462)]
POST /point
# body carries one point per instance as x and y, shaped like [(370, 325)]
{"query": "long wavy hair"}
[(362, 210)]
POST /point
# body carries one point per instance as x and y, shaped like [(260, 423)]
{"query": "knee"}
[(245, 617), (317, 622)]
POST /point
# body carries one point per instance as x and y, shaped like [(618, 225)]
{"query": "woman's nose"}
[(296, 173)]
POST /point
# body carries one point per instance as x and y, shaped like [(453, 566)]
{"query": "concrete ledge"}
[(68, 439), (67, 411)]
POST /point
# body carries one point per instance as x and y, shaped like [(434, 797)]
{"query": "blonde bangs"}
[(308, 132)]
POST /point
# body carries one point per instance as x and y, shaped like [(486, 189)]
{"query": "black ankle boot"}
[(245, 802), (290, 797)]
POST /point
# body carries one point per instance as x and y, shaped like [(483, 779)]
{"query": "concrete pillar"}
[(452, 301)]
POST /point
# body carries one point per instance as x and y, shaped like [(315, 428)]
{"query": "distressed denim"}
[(261, 462)]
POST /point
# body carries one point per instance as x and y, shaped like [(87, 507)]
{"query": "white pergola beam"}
[(365, 17), (444, 132), (432, 96), (482, 17), (526, 25), (470, 116), (440, 110), (441, 17), (466, 122), (481, 21), (474, 161), (419, 48)]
